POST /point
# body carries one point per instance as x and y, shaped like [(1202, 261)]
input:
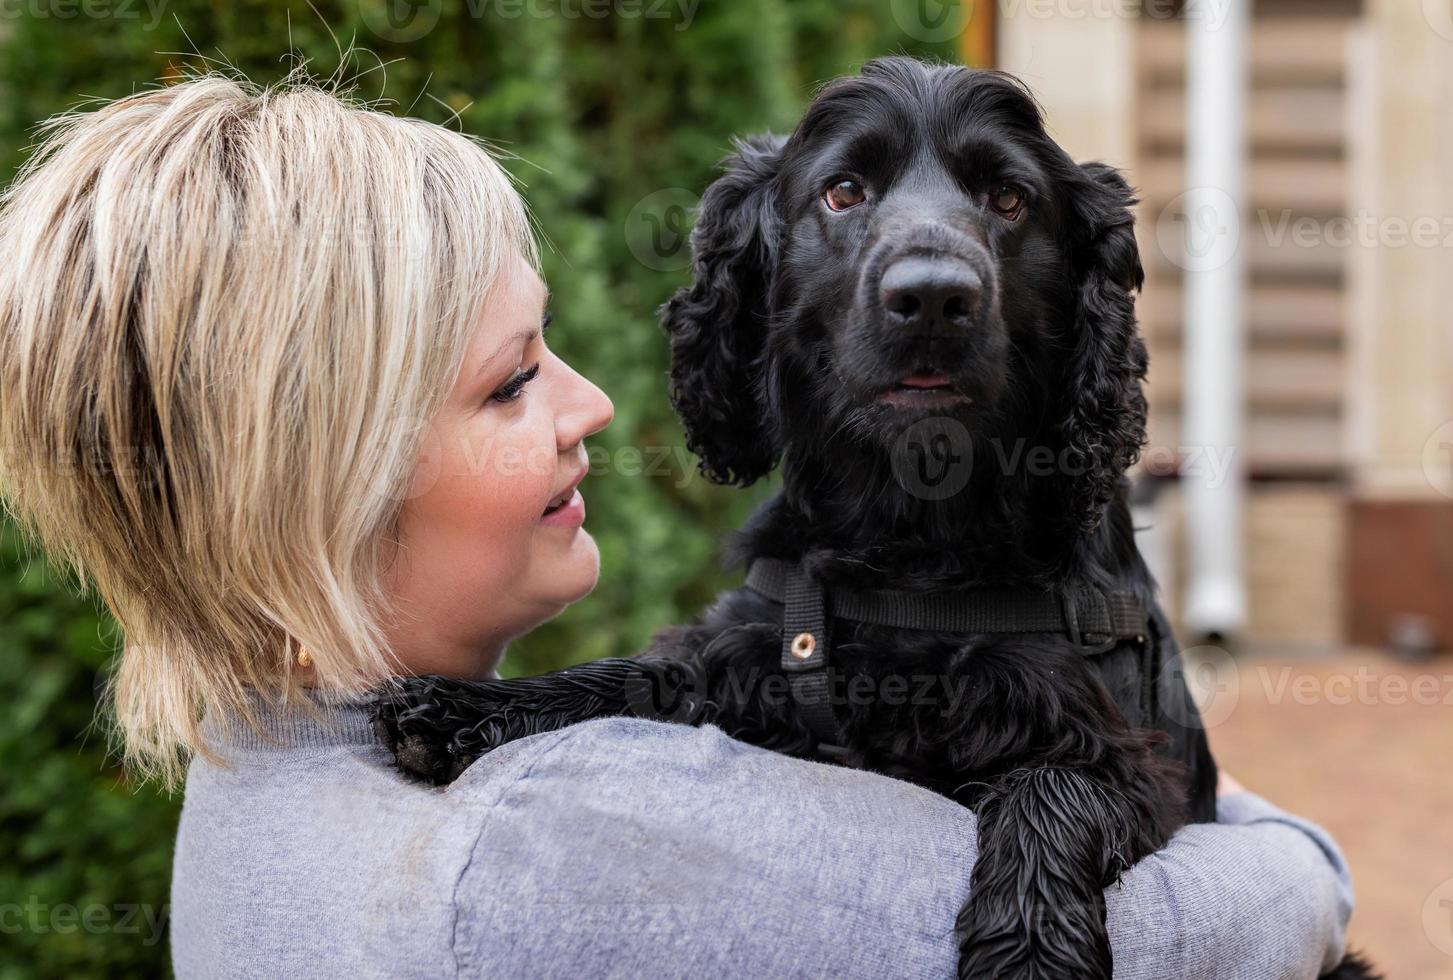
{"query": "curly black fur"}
[(782, 352)]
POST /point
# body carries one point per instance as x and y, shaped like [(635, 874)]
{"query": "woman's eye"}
[(513, 388), (1008, 201), (843, 194)]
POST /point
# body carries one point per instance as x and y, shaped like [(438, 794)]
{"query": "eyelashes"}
[(515, 386)]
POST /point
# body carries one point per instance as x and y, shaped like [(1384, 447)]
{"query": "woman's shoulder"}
[(615, 847), (637, 756), (623, 843), (655, 776)]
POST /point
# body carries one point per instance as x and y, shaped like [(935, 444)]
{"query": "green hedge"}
[(621, 119)]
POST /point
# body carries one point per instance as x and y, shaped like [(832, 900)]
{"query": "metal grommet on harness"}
[(805, 650)]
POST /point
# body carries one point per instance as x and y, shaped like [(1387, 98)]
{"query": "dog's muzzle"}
[(931, 296), (928, 279)]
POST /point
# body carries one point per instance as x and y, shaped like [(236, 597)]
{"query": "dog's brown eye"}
[(1007, 200), (843, 194)]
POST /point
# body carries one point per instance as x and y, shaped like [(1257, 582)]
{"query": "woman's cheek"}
[(510, 490)]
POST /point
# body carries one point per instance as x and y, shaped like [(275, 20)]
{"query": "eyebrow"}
[(521, 337)]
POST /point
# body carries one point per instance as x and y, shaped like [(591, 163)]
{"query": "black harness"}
[(1093, 620)]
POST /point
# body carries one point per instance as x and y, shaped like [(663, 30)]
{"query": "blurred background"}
[(1295, 165)]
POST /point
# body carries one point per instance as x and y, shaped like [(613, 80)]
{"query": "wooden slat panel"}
[(1266, 262), (1280, 313), (1301, 380), (1292, 311), (1299, 50), (1297, 136), (1276, 444), (1277, 118), (1316, 186)]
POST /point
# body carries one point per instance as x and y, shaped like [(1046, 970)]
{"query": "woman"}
[(276, 379)]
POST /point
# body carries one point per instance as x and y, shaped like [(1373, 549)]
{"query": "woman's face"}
[(487, 548)]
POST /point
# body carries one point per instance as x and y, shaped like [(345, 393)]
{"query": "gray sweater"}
[(629, 848)]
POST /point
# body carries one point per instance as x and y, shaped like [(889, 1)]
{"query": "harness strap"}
[(805, 651), (1088, 617), (1093, 620)]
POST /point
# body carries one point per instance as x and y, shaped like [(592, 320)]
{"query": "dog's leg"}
[(437, 726), (1050, 841), (1067, 796)]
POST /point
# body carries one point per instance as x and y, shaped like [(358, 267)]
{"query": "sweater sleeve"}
[(1261, 893), (635, 848)]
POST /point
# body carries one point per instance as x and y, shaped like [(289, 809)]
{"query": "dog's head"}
[(917, 247)]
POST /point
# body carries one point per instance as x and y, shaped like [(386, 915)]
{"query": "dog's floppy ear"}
[(1104, 426), (718, 324)]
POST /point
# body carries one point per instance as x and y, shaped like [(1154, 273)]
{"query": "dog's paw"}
[(433, 727)]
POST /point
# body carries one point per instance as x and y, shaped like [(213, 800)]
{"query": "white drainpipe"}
[(1213, 419)]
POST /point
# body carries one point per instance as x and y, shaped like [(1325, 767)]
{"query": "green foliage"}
[(604, 114), (87, 858)]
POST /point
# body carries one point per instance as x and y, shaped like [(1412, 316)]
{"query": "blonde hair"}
[(227, 314)]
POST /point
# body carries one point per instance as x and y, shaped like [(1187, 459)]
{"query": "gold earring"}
[(305, 659)]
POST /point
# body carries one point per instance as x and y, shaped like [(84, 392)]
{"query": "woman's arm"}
[(624, 847), (1260, 894)]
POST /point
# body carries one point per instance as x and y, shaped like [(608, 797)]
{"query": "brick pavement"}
[(1362, 744)]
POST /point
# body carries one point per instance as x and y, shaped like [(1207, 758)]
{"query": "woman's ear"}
[(1104, 426), (718, 325)]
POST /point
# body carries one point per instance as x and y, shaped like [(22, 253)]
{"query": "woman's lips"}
[(569, 514)]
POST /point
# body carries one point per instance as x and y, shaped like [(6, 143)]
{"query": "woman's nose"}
[(586, 411)]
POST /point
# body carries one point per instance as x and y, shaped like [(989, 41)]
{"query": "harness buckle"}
[(1096, 608)]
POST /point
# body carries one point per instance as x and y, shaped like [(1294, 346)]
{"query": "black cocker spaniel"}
[(921, 309)]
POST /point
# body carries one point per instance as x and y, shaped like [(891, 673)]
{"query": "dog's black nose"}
[(930, 295)]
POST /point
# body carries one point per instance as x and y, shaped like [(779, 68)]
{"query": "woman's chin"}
[(573, 575), (556, 577)]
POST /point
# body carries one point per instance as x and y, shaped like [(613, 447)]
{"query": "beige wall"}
[(1402, 128), (1080, 63)]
